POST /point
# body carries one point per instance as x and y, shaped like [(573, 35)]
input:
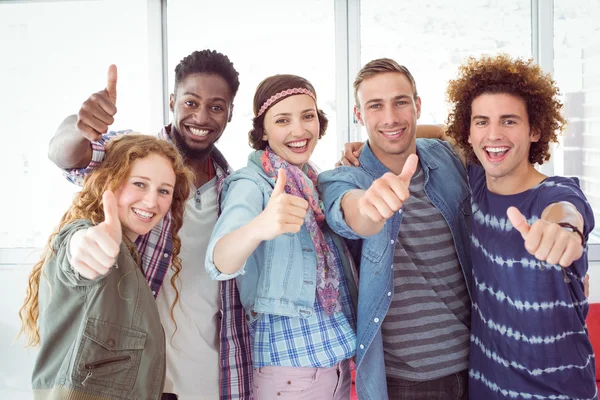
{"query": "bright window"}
[(261, 38), (433, 37), (576, 57)]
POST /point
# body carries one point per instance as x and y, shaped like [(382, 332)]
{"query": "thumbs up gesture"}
[(97, 112), (284, 212), (95, 250), (547, 241), (388, 193)]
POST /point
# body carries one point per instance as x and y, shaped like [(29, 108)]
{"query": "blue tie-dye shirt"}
[(528, 334)]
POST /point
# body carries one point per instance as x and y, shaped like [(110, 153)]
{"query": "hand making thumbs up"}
[(283, 214), (547, 241), (387, 194), (95, 250), (97, 112)]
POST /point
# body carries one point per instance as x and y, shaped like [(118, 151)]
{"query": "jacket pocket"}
[(108, 356), (375, 247)]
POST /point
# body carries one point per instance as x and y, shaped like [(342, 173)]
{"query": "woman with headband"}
[(296, 278)]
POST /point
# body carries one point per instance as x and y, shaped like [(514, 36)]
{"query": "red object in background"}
[(593, 324)]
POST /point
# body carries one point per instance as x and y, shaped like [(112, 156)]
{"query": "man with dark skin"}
[(207, 353)]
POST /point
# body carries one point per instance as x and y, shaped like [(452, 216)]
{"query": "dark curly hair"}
[(208, 62), (267, 88), (503, 74)]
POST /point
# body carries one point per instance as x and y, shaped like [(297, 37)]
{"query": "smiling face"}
[(202, 106), (146, 196), (501, 136), (389, 112), (292, 128)]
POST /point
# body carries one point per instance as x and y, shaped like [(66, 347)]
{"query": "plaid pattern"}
[(320, 341), (155, 249)]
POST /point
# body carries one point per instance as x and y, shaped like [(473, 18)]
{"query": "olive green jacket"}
[(99, 339)]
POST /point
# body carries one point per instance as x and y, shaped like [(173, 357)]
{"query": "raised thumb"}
[(111, 83), (280, 183), (410, 166), (111, 214), (518, 220)]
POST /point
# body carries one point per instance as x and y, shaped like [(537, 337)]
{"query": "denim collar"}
[(371, 164)]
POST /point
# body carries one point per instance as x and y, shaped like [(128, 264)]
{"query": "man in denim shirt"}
[(408, 203)]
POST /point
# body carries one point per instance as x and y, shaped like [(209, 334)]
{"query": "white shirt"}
[(193, 353)]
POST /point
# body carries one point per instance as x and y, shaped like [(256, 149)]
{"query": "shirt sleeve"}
[(563, 189), (77, 175), (242, 201), (333, 186)]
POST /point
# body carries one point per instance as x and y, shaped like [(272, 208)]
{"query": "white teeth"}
[(143, 214), (496, 149), (198, 132), (298, 144), (392, 133)]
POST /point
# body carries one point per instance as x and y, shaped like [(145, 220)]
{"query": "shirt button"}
[(389, 294), (392, 241), (362, 346), (166, 255), (154, 292), (197, 200), (110, 343), (400, 211), (376, 320), (392, 267)]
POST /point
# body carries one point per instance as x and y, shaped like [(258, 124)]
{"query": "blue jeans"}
[(451, 387)]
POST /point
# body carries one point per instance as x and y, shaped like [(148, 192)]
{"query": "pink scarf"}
[(328, 280)]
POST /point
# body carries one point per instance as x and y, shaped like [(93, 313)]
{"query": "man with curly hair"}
[(528, 244), (207, 352)]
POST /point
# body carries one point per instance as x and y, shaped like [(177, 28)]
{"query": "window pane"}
[(261, 39), (433, 37), (61, 51), (576, 57), (56, 54)]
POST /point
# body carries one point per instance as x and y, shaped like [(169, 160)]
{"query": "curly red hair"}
[(503, 74)]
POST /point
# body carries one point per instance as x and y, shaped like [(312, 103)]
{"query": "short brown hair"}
[(269, 87), (502, 74), (381, 66)]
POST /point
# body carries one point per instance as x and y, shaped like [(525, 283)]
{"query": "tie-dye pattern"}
[(528, 334)]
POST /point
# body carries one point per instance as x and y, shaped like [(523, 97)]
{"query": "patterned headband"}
[(282, 94)]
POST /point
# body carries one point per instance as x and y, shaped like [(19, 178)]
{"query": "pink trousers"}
[(275, 383)]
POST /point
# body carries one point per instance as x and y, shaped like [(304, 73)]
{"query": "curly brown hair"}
[(111, 174), (503, 74), (269, 87)]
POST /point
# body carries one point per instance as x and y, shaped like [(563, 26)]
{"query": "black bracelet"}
[(573, 228)]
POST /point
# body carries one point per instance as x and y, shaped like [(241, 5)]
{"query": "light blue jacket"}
[(447, 188), (280, 276)]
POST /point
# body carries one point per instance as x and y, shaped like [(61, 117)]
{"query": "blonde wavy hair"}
[(111, 174)]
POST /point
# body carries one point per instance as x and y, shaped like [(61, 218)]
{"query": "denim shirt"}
[(447, 188), (280, 276)]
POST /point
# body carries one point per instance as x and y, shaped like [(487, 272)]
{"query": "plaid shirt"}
[(320, 341), (155, 249)]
